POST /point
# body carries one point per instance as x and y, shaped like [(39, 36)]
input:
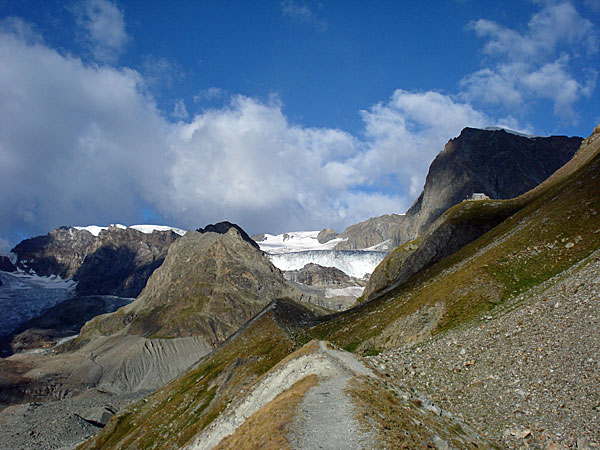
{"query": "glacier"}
[(24, 296), (356, 263)]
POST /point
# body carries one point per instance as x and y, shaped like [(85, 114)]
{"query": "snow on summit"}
[(148, 229), (295, 241)]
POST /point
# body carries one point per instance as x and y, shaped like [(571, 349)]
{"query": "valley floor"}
[(528, 375)]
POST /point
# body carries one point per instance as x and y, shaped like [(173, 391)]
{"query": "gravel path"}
[(326, 417), (526, 377)]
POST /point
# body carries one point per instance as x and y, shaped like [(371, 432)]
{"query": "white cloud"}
[(179, 110), (210, 93), (5, 247), (536, 63), (406, 133), (99, 149), (299, 11), (103, 26), (78, 143)]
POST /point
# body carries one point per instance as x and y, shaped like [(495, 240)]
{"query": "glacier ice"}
[(356, 263)]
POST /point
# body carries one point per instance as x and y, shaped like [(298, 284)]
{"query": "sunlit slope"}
[(443, 283)]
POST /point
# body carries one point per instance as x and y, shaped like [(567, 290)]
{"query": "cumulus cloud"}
[(103, 26), (406, 133), (77, 143), (83, 144), (299, 12), (536, 63)]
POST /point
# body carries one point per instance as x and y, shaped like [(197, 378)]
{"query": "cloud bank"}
[(84, 143)]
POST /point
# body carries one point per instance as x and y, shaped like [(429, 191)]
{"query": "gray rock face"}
[(116, 262), (209, 285), (326, 277), (499, 164), (371, 232), (325, 235), (60, 252), (6, 265)]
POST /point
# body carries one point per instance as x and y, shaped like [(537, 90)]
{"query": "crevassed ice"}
[(356, 263)]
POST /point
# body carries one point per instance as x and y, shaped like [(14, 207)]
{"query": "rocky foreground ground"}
[(527, 375)]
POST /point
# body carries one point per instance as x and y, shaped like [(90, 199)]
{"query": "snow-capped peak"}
[(148, 229)]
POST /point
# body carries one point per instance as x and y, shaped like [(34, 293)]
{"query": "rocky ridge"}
[(118, 261), (498, 163)]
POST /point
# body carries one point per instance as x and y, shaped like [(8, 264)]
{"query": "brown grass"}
[(267, 428), (404, 424)]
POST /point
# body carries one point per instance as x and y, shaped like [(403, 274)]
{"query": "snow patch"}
[(516, 133), (24, 296), (295, 241), (147, 229)]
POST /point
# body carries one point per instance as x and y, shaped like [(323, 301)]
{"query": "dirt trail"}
[(327, 418)]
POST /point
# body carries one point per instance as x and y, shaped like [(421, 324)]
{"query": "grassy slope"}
[(175, 414), (528, 248)]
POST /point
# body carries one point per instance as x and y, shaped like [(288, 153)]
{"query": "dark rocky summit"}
[(496, 163), (116, 262), (6, 264), (223, 227)]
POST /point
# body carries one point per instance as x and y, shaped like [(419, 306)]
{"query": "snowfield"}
[(296, 241), (148, 229)]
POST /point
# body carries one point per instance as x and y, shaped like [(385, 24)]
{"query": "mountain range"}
[(478, 329)]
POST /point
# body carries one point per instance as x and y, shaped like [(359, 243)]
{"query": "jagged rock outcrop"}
[(209, 285), (118, 261), (223, 227), (60, 252), (324, 277), (121, 261), (325, 235), (6, 264), (377, 231), (495, 162)]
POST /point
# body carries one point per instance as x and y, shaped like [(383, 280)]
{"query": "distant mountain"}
[(114, 260), (495, 162), (209, 285)]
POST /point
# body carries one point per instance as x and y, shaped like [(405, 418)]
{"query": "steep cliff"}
[(495, 162)]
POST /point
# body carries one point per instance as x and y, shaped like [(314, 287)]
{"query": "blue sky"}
[(280, 116)]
